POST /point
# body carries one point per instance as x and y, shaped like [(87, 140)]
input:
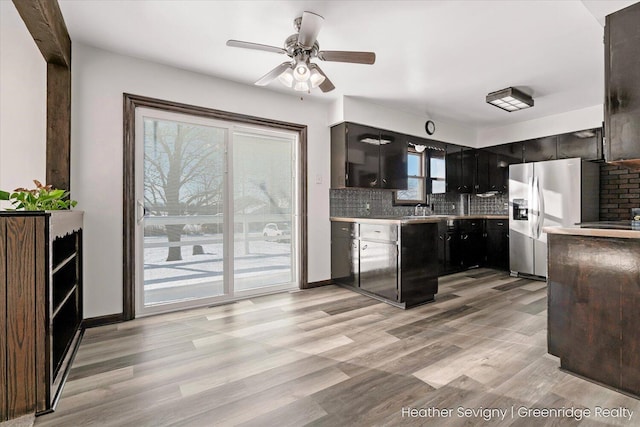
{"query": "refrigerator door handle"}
[(531, 205), (536, 206), (540, 209)]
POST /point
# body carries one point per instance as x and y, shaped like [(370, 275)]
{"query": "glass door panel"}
[(264, 209), (217, 211), (183, 211)]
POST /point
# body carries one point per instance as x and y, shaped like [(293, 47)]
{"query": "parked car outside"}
[(276, 232)]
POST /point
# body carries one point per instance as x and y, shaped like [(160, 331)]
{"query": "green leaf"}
[(44, 197), (57, 193)]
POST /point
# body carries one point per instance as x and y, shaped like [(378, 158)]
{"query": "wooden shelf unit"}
[(41, 307)]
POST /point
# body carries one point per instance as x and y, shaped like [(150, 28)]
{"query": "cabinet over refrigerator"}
[(542, 194)]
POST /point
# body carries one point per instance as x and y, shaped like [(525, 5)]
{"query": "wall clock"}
[(430, 127)]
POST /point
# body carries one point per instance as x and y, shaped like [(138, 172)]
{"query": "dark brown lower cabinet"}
[(497, 243), (40, 306), (395, 262), (593, 317)]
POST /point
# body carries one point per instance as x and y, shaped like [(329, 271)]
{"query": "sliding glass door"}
[(264, 209), (217, 211)]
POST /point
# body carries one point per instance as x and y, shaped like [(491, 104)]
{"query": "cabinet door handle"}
[(448, 238), (384, 180), (500, 224), (364, 247), (440, 237), (374, 182)]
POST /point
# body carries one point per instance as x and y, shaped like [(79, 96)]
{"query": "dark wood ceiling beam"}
[(44, 21)]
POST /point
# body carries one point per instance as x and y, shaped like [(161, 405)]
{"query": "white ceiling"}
[(434, 58)]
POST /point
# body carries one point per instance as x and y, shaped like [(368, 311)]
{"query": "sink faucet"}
[(415, 209)]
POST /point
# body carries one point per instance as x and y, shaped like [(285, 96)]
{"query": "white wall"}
[(358, 111), (570, 121), (23, 102), (99, 80)]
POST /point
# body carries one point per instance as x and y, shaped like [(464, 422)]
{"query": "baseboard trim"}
[(318, 284), (109, 319)]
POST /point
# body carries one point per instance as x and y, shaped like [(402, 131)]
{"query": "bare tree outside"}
[(184, 168)]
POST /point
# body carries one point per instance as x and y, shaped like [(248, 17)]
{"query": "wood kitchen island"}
[(594, 302)]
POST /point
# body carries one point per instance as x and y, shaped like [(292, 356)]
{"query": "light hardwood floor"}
[(331, 357)]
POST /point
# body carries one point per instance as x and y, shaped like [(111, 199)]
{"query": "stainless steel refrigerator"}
[(541, 194)]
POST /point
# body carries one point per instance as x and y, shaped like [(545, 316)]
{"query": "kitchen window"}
[(425, 175), (437, 172), (416, 180)]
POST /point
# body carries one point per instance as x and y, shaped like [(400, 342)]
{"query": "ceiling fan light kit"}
[(286, 78), (510, 99), (300, 73)]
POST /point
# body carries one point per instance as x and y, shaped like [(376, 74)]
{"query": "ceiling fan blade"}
[(326, 85), (309, 29), (347, 56), (255, 46), (268, 78)]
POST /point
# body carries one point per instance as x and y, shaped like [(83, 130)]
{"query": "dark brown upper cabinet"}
[(366, 157), (393, 161), (510, 153), (499, 159), (540, 149), (483, 176), (460, 169), (622, 85), (453, 171), (586, 144), (492, 172)]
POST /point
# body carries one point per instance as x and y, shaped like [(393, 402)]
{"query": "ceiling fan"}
[(300, 73)]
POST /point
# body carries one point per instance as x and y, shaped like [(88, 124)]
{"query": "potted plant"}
[(41, 198)]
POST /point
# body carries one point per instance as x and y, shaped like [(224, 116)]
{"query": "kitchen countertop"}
[(413, 219), (620, 229)]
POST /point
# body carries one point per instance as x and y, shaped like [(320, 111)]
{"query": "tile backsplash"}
[(366, 202)]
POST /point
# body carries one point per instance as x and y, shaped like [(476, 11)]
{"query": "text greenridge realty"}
[(489, 414)]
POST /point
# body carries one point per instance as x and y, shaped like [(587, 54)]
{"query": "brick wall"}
[(619, 192)]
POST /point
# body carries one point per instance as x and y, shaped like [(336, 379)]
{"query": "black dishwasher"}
[(379, 259)]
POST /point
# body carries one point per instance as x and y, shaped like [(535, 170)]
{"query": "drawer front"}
[(344, 230), (497, 224), (471, 225), (385, 232)]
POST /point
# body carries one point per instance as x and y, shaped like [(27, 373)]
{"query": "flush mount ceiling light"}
[(510, 99)]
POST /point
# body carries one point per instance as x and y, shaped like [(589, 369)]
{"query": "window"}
[(415, 192), (426, 175), (437, 172)]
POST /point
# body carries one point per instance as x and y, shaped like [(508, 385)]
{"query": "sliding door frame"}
[(131, 102)]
